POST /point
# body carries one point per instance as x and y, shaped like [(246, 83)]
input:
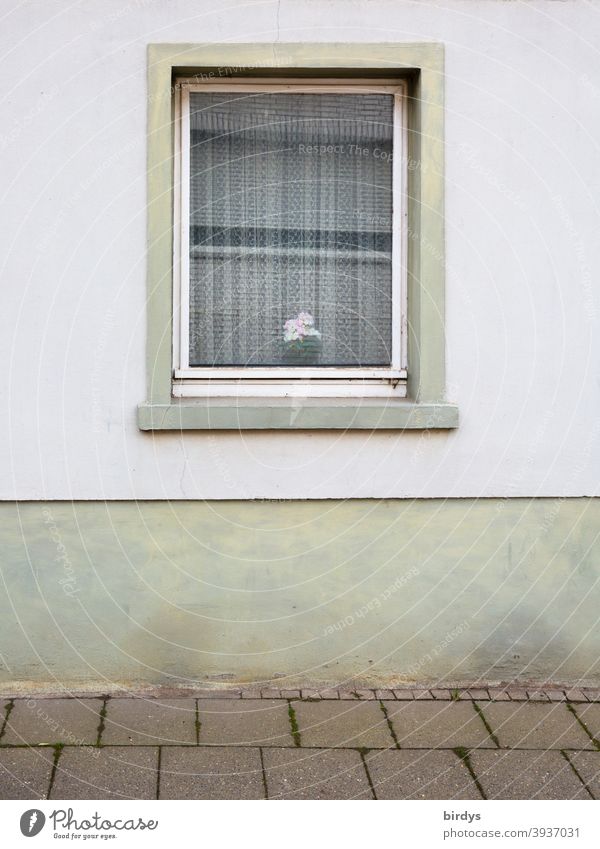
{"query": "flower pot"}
[(302, 352)]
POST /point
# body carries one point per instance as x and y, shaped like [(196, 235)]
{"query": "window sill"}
[(297, 414)]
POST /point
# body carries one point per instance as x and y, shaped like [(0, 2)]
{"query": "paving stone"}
[(422, 695), (311, 695), (537, 696), (25, 773), (343, 724), (480, 694), (347, 695), (535, 726), (329, 694), (526, 775), (71, 721), (464, 696), (3, 704), (384, 694), (437, 725), (587, 765), (270, 693), (245, 723), (211, 773), (315, 774), (219, 694), (365, 695), (518, 695), (290, 694), (592, 695), (575, 696), (555, 695), (589, 714), (146, 722), (112, 772), (251, 694), (441, 695), (405, 774), (499, 696), (404, 695)]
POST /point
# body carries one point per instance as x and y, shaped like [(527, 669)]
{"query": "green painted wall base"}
[(377, 591)]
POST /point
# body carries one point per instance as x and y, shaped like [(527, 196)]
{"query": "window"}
[(289, 238), (247, 251)]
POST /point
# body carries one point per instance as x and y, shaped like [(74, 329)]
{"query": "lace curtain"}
[(290, 212)]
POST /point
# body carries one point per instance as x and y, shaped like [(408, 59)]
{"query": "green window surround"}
[(422, 64)]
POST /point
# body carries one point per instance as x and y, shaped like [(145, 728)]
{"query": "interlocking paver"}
[(535, 726), (384, 694), (311, 695), (245, 723), (37, 721), (518, 695), (587, 765), (112, 772), (398, 774), (329, 694), (420, 695), (526, 775), (592, 695), (499, 696), (537, 696), (147, 722), (221, 694), (442, 695), (404, 695), (437, 725), (556, 695), (479, 693), (575, 696), (366, 695), (25, 773), (590, 716), (3, 706), (251, 694), (343, 724), (211, 773), (315, 774)]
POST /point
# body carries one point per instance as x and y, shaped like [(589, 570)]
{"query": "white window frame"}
[(282, 381)]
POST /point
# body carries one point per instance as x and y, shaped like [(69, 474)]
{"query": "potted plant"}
[(301, 340)]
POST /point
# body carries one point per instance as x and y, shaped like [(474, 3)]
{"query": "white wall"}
[(523, 188)]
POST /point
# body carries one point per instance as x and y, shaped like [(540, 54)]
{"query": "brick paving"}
[(468, 743)]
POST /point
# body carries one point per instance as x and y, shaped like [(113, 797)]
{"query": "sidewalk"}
[(365, 744)]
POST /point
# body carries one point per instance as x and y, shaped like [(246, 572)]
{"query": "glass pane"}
[(290, 229)]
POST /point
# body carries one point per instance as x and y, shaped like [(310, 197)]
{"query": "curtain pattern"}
[(290, 211)]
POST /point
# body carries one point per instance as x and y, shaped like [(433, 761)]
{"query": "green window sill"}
[(295, 415)]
